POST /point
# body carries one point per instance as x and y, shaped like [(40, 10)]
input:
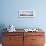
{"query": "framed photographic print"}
[(26, 13)]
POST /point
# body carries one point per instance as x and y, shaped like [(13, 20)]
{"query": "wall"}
[(9, 13)]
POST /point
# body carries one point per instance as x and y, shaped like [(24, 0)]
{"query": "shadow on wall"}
[(2, 26)]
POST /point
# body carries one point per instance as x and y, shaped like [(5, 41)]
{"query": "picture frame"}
[(26, 13)]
